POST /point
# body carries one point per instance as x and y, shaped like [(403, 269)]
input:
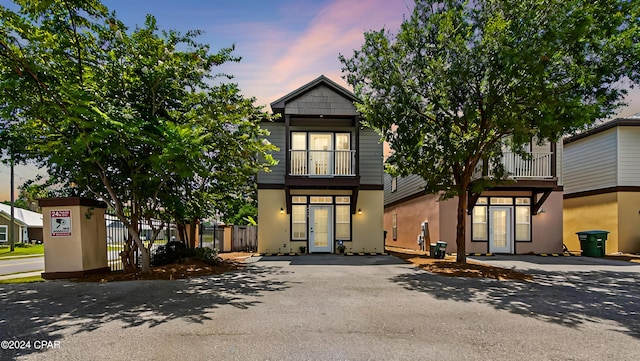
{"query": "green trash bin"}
[(441, 249), (432, 250), (592, 243)]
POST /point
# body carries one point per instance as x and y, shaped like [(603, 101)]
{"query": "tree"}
[(463, 79), (134, 118)]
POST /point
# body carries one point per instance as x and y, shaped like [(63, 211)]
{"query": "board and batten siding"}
[(591, 163), (277, 138), (371, 164), (321, 101), (628, 156)]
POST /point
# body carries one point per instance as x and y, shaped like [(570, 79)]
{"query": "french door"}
[(320, 232), (500, 234)]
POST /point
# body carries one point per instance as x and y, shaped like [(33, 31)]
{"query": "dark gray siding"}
[(406, 186), (277, 138), (371, 167), (321, 100)]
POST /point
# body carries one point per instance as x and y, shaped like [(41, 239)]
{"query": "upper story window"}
[(321, 154)]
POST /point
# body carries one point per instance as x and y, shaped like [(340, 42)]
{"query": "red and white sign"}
[(60, 223)]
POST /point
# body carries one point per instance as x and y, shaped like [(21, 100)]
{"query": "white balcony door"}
[(320, 146), (320, 230), (500, 235)]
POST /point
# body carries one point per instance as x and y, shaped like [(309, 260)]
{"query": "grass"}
[(32, 279), (25, 250)]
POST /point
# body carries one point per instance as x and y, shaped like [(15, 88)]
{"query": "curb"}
[(304, 254), (21, 275), (556, 255)]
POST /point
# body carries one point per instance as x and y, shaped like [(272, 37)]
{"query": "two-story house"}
[(523, 216), (327, 188), (602, 184)]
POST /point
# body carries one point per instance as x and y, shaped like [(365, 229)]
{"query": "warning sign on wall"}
[(60, 223)]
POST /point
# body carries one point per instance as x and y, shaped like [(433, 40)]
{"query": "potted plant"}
[(303, 249), (341, 248)]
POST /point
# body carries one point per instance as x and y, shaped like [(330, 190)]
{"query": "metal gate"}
[(117, 236)]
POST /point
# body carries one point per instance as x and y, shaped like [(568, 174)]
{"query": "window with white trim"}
[(4, 234), (480, 220), (299, 218), (523, 219), (480, 231)]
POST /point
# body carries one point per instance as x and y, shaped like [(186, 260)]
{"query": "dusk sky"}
[(283, 43)]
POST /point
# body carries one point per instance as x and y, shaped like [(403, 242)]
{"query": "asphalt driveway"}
[(329, 308)]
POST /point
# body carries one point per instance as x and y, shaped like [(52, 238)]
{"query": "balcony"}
[(539, 166), (322, 163)]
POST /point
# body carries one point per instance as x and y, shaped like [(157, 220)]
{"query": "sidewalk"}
[(21, 275)]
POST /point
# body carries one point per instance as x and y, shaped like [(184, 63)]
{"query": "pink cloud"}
[(277, 60)]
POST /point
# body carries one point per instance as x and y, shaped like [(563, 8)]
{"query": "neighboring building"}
[(602, 184), (522, 217), (27, 225), (327, 188)]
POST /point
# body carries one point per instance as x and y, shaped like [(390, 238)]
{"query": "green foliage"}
[(207, 255), (135, 118), (169, 253), (175, 251), (32, 279), (21, 249), (463, 81), (241, 213)]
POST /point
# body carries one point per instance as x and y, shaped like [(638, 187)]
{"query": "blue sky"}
[(283, 43)]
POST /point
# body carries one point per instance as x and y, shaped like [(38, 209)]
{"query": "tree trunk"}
[(192, 233), (461, 227), (146, 259), (182, 234), (128, 255)]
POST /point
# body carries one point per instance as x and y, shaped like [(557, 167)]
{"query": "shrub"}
[(208, 256), (169, 253)]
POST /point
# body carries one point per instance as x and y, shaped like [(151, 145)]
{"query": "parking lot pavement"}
[(328, 308), (559, 264)]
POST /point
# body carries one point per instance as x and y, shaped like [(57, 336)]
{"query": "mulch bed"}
[(450, 268), (234, 261), (173, 271)]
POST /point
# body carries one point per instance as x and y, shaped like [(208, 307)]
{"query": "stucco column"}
[(75, 237)]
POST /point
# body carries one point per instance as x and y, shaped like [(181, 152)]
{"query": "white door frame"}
[(313, 228), (501, 229)]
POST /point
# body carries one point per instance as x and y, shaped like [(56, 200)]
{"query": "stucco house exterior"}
[(27, 224), (524, 216), (602, 184), (327, 188)]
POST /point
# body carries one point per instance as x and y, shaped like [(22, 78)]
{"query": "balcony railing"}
[(537, 166), (323, 163)]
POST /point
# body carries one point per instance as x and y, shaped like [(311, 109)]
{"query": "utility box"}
[(75, 237), (592, 243)]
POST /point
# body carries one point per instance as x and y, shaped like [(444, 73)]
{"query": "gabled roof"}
[(278, 105), (631, 121), (22, 216)]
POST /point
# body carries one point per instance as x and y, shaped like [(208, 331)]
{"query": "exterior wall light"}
[(281, 210), (360, 211)]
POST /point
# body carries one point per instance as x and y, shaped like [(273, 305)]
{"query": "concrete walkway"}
[(329, 307)]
